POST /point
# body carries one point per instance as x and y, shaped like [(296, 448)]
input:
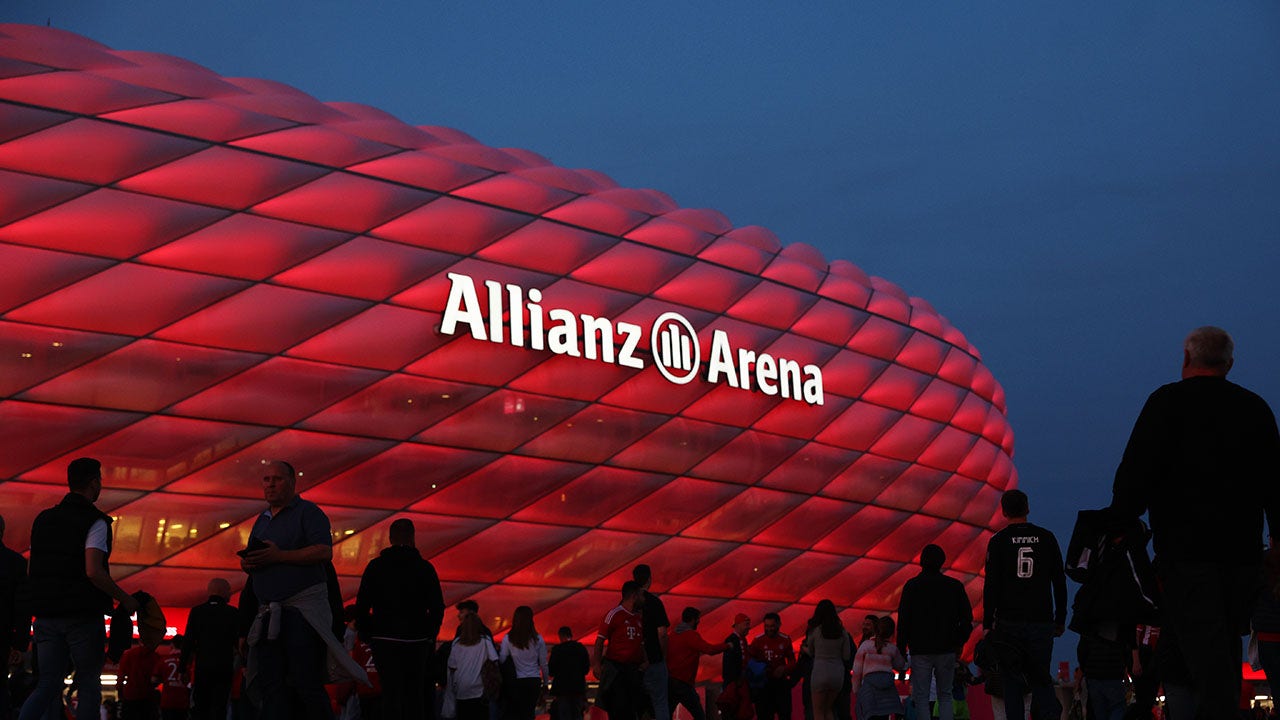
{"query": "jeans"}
[(402, 669), (1106, 699), (291, 672), (655, 683), (1207, 606), (682, 693), (941, 668), (82, 641), (1035, 643)]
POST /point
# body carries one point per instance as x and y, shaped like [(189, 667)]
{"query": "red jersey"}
[(621, 630), (136, 666), (363, 655), (776, 652), (684, 649), (175, 694)]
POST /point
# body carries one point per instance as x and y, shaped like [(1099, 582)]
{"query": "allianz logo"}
[(513, 315)]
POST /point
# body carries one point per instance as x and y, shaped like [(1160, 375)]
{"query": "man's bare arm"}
[(95, 566)]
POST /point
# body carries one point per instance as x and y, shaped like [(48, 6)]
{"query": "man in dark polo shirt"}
[(289, 547)]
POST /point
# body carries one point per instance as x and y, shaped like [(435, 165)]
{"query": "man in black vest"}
[(210, 643), (70, 590)]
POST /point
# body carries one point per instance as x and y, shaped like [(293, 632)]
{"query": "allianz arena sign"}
[(512, 314)]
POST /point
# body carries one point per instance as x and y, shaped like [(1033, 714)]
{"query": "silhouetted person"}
[(70, 590), (934, 620), (656, 624), (14, 627), (209, 649), (399, 609), (1202, 462), (618, 658), (568, 665)]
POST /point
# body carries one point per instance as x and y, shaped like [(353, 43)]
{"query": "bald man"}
[(210, 642)]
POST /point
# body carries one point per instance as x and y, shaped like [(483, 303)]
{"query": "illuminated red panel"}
[(316, 456), (280, 392), (592, 497), (36, 433), (203, 119), (502, 421), (512, 192), (400, 475), (808, 470), (679, 559), (30, 272), (38, 353), (806, 523), (23, 501), (159, 525), (673, 507), (595, 214), (593, 435), (805, 571), (343, 201), (258, 177), (145, 375), (26, 195), (281, 318), (706, 288), (684, 443), (366, 268), (93, 152), (582, 467), (399, 407), (383, 337), (546, 247), (473, 494), (506, 547), (79, 93), (746, 458), (142, 299), (585, 558), (739, 519), (245, 246), (736, 571), (16, 121), (109, 223), (155, 451), (317, 144), (632, 268)]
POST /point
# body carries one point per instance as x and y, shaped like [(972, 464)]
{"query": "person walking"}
[(399, 609), (827, 642), (528, 653), (471, 650), (934, 620), (874, 666)]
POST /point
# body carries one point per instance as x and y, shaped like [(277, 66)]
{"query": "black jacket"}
[(399, 597), (1203, 459), (14, 628), (211, 637), (934, 614), (568, 665), (733, 662)]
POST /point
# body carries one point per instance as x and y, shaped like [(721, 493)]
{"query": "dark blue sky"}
[(1074, 185)]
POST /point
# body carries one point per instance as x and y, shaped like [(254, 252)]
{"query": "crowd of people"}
[(1202, 463)]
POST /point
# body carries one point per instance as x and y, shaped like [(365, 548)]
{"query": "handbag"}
[(491, 678)]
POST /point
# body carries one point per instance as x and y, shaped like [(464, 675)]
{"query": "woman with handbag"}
[(471, 652), (527, 651)]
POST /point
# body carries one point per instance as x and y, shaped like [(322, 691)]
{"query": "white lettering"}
[(597, 333), (813, 384), (562, 339), (789, 377), (720, 360), (766, 373), (626, 356), (462, 306)]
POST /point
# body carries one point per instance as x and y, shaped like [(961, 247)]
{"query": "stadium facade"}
[(555, 376)]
